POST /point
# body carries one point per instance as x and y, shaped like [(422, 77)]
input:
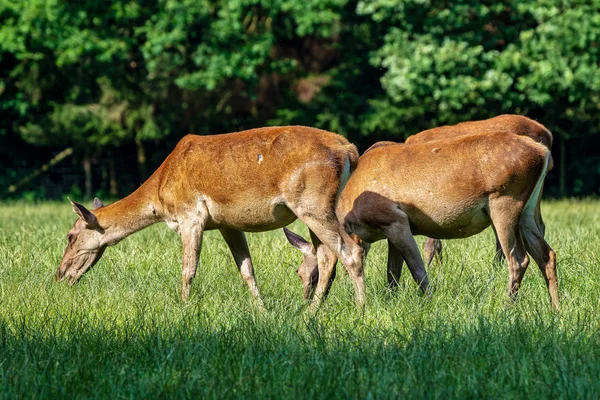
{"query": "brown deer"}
[(250, 181), (509, 124), (452, 188)]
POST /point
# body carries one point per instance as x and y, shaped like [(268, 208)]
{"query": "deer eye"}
[(70, 237)]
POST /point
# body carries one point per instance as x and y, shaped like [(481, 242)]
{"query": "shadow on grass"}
[(274, 357)]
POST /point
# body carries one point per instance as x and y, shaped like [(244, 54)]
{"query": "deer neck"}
[(128, 215)]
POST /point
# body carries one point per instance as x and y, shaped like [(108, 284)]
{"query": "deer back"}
[(507, 123)]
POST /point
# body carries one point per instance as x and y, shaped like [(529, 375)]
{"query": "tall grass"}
[(123, 331)]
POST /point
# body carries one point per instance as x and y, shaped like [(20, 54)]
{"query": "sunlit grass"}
[(123, 331)]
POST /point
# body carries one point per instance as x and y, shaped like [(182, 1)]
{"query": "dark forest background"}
[(94, 94)]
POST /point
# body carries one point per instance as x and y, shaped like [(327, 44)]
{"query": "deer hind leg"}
[(394, 265), (314, 204), (236, 240), (399, 235), (432, 248), (191, 237), (505, 215), (340, 246), (326, 261), (499, 256), (542, 254)]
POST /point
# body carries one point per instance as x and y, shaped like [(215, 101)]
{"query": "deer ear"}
[(97, 203), (85, 215), (298, 242)]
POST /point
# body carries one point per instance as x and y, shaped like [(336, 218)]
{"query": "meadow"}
[(123, 332)]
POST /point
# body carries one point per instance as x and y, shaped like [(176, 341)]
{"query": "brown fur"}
[(507, 123), (380, 144), (249, 181), (450, 188)]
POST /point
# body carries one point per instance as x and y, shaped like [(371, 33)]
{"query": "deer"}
[(445, 189), (506, 123), (249, 181)]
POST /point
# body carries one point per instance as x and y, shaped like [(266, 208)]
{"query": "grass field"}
[(123, 332)]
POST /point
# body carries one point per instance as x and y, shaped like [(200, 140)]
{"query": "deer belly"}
[(254, 216), (450, 223)]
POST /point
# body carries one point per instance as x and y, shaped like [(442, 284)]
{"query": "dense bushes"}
[(123, 80)]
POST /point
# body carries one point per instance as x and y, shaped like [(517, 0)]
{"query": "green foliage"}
[(122, 331), (473, 60), (101, 75)]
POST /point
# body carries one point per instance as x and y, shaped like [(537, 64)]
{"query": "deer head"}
[(308, 270), (85, 245)]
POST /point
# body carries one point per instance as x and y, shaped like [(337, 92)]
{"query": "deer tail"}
[(528, 214)]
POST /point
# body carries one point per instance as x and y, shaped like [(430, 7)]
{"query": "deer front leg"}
[(236, 240), (366, 246), (400, 237), (394, 265), (191, 237)]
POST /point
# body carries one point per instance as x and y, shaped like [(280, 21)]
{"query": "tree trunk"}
[(141, 158), (563, 168), (44, 168), (112, 178), (87, 169), (104, 181)]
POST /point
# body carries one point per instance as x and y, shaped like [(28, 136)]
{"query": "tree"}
[(462, 60), (128, 78)]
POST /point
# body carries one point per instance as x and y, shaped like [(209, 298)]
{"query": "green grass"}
[(122, 332)]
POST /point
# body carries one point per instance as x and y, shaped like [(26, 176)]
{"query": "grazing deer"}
[(447, 189), (509, 124), (250, 181)]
